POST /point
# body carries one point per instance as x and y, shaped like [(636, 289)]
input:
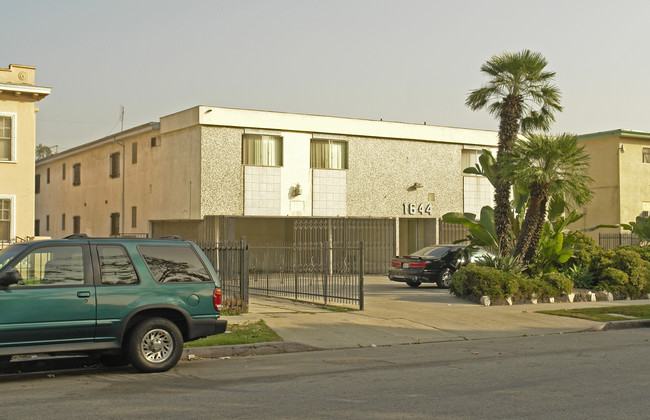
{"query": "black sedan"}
[(433, 264)]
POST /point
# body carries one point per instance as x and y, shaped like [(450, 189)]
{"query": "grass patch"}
[(610, 313), (337, 308), (249, 332)]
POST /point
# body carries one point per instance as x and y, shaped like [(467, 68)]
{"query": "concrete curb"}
[(271, 347), (622, 325)]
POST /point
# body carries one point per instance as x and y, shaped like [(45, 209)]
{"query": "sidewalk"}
[(396, 314)]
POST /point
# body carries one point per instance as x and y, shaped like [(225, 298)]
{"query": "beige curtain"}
[(262, 150)]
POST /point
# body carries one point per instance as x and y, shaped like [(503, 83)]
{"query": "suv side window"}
[(52, 266), (174, 263), (115, 265)]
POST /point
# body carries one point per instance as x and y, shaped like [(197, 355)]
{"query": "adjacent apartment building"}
[(211, 173), (18, 96), (620, 167)]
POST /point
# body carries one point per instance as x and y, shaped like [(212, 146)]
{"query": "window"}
[(115, 224), (76, 224), (37, 184), (116, 266), (646, 155), (174, 263), (63, 172), (76, 174), (47, 176), (262, 150), (114, 169), (134, 217), (477, 190), (52, 266), (37, 227), (6, 137), (5, 220), (134, 152), (155, 141), (47, 223), (329, 154), (63, 222)]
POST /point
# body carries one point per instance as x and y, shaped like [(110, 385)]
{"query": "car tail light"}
[(395, 263), (216, 299), (417, 264)]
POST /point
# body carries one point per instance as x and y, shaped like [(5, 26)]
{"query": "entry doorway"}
[(415, 234)]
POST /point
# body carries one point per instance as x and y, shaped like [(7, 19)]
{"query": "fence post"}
[(243, 273), (326, 269), (295, 271), (361, 299)]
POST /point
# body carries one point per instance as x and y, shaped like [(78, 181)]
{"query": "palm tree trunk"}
[(537, 234), (532, 221), (508, 129)]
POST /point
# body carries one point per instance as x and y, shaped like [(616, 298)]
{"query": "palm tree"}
[(520, 93), (551, 166)]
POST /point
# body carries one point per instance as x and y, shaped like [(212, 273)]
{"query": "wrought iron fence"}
[(230, 261), (612, 240), (320, 273), (317, 273)]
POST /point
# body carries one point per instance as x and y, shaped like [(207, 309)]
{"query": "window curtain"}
[(262, 150), (326, 154)]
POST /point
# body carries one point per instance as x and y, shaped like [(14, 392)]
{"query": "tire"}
[(413, 283), (444, 280), (154, 345)]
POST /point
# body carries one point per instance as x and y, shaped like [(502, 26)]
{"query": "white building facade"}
[(210, 173)]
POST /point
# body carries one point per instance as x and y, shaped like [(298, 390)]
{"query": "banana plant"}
[(481, 232)]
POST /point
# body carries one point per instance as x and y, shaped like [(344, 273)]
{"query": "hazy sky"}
[(410, 61)]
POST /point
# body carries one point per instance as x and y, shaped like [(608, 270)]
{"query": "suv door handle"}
[(83, 294)]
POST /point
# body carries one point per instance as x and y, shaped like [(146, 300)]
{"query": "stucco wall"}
[(17, 177), (221, 171), (381, 172)]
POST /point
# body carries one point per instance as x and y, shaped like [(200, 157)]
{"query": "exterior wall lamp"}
[(295, 191), (622, 148), (415, 186)]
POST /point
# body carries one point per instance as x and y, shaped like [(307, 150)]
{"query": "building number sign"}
[(414, 208)]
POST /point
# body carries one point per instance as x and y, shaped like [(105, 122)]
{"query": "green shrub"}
[(585, 249), (484, 281), (581, 276), (502, 262), (532, 287), (558, 283), (643, 251), (613, 280)]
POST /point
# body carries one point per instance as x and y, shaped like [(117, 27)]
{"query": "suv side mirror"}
[(10, 277)]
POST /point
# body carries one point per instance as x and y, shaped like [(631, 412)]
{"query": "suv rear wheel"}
[(154, 345)]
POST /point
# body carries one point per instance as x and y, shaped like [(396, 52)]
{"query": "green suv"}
[(125, 300)]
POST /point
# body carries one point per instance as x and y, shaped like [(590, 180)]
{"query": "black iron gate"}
[(377, 235)]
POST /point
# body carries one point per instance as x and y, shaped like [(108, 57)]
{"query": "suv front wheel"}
[(154, 345)]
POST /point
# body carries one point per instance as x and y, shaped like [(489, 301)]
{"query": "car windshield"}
[(8, 253), (432, 251)]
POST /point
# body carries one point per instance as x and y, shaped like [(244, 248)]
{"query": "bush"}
[(613, 280), (585, 249), (529, 288), (558, 283), (502, 262), (581, 276), (484, 281), (643, 251)]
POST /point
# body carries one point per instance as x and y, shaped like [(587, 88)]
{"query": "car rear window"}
[(432, 251), (174, 263)]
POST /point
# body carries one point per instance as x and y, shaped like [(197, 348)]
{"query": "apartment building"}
[(620, 167), (18, 97), (219, 174)]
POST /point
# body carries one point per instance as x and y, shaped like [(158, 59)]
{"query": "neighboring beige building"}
[(620, 167), (218, 173), (18, 95)]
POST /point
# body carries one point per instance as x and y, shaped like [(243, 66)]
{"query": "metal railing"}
[(320, 273), (317, 273), (612, 240)]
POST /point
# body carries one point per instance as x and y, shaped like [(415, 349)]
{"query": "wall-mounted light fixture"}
[(622, 148), (414, 187), (295, 191)]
